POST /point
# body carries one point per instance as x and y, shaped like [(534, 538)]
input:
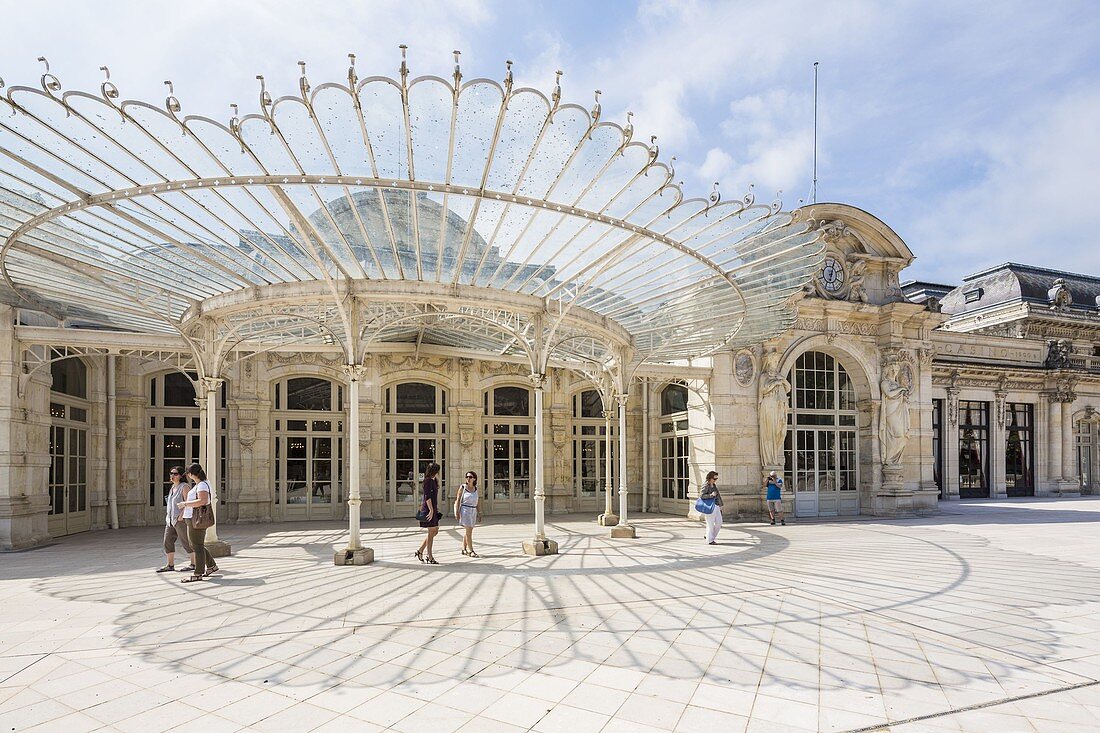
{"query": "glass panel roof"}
[(128, 216)]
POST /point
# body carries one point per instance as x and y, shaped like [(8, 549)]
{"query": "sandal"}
[(419, 555), (192, 579), (464, 552), (189, 569), (211, 571), (471, 553), (431, 561), (166, 569)]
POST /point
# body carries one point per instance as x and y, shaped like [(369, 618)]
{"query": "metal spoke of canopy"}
[(472, 214)]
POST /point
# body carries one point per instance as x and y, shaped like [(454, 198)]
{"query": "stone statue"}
[(775, 394), (857, 291), (893, 430)]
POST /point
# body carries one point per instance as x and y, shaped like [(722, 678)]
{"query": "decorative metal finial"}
[(628, 133), (49, 82), (303, 82), (458, 70), (777, 203), (750, 197), (353, 78), (265, 96), (170, 102), (715, 195), (508, 77), (654, 151), (596, 109), (404, 63), (556, 96), (108, 88), (235, 120)]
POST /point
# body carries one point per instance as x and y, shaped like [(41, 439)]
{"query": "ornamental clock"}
[(832, 275)]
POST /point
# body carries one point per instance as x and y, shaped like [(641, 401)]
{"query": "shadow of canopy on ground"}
[(881, 608)]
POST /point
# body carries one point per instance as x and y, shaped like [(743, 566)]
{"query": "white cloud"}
[(1037, 202)]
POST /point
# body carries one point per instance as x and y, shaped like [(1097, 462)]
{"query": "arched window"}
[(508, 445), (68, 475), (416, 436), (590, 453), (175, 431), (308, 463), (308, 393), (820, 450), (675, 444)]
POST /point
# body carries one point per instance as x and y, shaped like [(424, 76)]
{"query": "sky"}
[(971, 129)]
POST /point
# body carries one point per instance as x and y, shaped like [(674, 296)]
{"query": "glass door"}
[(68, 481), (408, 455), (308, 470)]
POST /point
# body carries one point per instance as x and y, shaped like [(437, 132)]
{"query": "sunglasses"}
[(470, 476)]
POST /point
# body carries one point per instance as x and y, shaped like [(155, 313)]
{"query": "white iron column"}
[(211, 386), (112, 458), (540, 545), (608, 518), (355, 553), (623, 529)]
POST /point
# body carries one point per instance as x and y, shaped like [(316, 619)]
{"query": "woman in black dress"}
[(430, 504)]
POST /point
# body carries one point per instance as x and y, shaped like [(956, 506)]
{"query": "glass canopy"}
[(472, 214)]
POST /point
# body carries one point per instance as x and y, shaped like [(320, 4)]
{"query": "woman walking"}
[(175, 526), (714, 519), (468, 511), (199, 495), (430, 506)]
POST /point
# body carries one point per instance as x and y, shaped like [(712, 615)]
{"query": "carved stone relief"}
[(744, 367)]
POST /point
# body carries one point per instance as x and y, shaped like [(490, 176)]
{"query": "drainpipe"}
[(112, 461)]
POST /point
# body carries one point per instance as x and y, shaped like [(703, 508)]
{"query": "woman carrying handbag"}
[(709, 494), (429, 510), (199, 516)]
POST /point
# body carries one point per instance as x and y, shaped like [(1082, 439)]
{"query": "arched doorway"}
[(68, 482), (509, 427), (590, 454), (675, 448), (309, 448), (416, 436), (821, 449)]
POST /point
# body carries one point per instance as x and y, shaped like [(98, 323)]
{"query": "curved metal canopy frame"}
[(284, 227)]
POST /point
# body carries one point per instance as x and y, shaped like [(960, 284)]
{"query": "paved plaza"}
[(984, 618)]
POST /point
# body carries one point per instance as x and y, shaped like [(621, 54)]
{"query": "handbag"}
[(704, 506), (423, 515), (202, 517)]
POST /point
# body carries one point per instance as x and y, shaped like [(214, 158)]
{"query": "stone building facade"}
[(880, 398)]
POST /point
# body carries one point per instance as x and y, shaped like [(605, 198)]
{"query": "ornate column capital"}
[(622, 399), (211, 384), (354, 372), (538, 381)]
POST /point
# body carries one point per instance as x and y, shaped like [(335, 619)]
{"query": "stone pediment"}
[(863, 257)]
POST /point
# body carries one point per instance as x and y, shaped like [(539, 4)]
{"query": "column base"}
[(1069, 488), (539, 547), (623, 530), (608, 520), (219, 548), (362, 556)]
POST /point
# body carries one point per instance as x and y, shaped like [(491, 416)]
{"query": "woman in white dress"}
[(468, 511)]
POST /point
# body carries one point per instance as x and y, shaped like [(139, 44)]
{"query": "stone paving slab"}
[(982, 619)]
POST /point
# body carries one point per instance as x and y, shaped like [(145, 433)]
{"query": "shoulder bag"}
[(202, 517)]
